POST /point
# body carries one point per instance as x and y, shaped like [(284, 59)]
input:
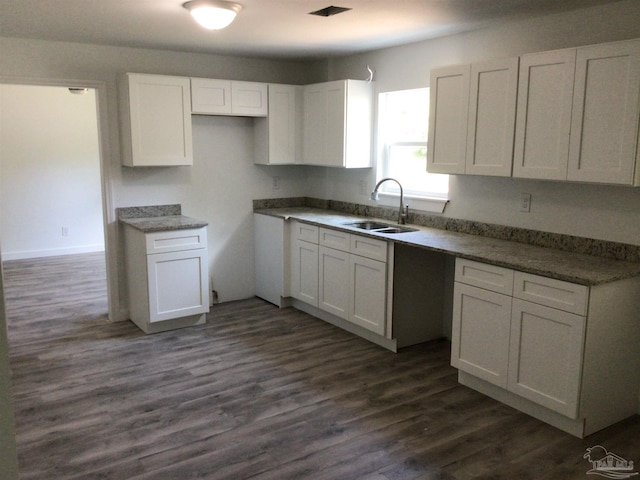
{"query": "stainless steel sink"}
[(368, 225), (379, 227)]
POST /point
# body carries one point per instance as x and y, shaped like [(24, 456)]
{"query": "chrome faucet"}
[(403, 212)]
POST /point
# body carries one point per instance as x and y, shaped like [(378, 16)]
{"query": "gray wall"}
[(603, 212)]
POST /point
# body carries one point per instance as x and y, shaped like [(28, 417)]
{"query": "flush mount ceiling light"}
[(213, 14)]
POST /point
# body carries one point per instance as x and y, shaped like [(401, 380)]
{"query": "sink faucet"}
[(403, 212)]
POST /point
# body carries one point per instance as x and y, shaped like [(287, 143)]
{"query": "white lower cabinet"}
[(329, 275), (167, 279), (548, 347)]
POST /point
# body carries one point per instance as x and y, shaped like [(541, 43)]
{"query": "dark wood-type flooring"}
[(258, 392)]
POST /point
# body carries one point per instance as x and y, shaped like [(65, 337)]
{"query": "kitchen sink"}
[(379, 227)]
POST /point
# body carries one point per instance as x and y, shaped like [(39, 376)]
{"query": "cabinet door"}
[(368, 293), (545, 356), (178, 284), (448, 115), (157, 125), (304, 271), (480, 333), (333, 295), (335, 140), (492, 116), (604, 129), (278, 136), (211, 96), (249, 99), (545, 93), (314, 124), (271, 251)]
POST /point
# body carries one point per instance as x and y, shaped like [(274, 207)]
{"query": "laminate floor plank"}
[(257, 393)]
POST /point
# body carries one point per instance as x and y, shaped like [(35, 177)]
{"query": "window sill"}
[(423, 204)]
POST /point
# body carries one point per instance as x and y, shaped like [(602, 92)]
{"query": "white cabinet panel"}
[(271, 248), (333, 277), (606, 109), (545, 96), (211, 96), (249, 98), (278, 137), (337, 124), (368, 293), (226, 97), (448, 116), (480, 333), (176, 286), (155, 120), (545, 356), (551, 292), (492, 116), (304, 271), (483, 275)]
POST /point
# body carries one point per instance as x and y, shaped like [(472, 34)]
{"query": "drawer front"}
[(304, 232), (483, 275), (565, 296), (369, 247), (176, 240), (335, 239)]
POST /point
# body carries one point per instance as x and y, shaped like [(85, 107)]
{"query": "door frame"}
[(110, 225)]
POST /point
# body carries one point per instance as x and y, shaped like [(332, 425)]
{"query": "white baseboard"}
[(52, 252)]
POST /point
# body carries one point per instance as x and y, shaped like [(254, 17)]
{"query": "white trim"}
[(108, 210), (51, 252), (420, 203)]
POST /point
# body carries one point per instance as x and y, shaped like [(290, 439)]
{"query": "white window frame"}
[(433, 202)]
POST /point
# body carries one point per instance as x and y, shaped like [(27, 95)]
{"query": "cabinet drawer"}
[(176, 240), (369, 247), (489, 277), (305, 232), (335, 239), (566, 296)]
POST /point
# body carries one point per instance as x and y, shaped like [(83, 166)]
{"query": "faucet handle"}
[(404, 214)]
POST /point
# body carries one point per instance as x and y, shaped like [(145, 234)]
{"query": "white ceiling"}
[(265, 28)]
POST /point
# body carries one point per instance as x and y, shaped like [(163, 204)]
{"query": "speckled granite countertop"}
[(163, 223), (569, 266)]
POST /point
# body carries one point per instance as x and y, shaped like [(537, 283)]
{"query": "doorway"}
[(65, 201)]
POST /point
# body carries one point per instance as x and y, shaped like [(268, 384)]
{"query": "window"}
[(403, 133)]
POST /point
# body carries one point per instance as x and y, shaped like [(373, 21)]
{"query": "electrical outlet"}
[(276, 183), (525, 202), (65, 231)]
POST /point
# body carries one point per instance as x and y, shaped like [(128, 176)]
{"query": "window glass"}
[(404, 127)]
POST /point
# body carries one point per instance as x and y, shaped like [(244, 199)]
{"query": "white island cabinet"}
[(167, 280)]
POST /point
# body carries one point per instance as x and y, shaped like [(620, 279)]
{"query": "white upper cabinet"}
[(472, 118), (337, 124), (449, 110), (226, 97), (278, 136), (545, 95), (155, 120), (492, 116), (606, 109)]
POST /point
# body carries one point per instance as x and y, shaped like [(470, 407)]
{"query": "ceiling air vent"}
[(329, 11)]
